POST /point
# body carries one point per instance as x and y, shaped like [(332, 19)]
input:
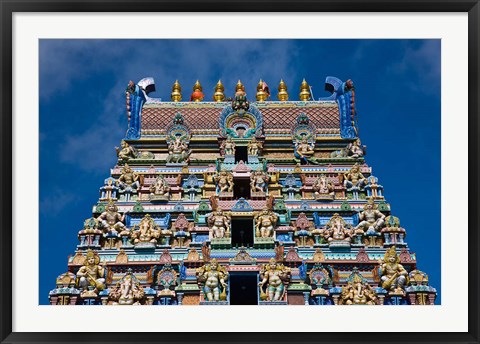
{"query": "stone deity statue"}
[(213, 279), (336, 230), (160, 187), (127, 291), (265, 222), (90, 276), (303, 150), (126, 152), (228, 146), (354, 178), (178, 151), (219, 223), (254, 146), (371, 219), (112, 221), (128, 182), (322, 187), (394, 277), (146, 231), (224, 181), (276, 277), (259, 181)]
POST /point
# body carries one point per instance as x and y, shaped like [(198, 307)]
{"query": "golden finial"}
[(239, 89), (219, 96), (197, 95), (263, 91), (176, 92), (304, 91), (282, 91)]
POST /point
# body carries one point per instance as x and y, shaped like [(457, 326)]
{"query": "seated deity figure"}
[(336, 230), (127, 291), (146, 231), (354, 178), (128, 182), (178, 151), (371, 219), (303, 150), (213, 279), (228, 146), (358, 293), (112, 221), (224, 181), (265, 222), (126, 152), (254, 146), (394, 277), (160, 187), (276, 277), (259, 181), (323, 188), (355, 149), (219, 223), (91, 274)]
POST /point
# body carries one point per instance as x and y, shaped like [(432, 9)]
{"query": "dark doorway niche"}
[(244, 288), (241, 153), (241, 188), (242, 232)]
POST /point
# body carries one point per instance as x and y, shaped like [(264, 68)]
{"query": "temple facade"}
[(242, 200)]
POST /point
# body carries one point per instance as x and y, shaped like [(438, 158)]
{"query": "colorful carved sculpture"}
[(128, 183), (337, 230), (146, 231), (224, 181), (126, 152), (212, 278), (276, 277), (265, 222), (90, 277), (178, 151), (127, 291), (160, 189), (254, 147), (354, 181), (394, 277), (112, 221), (228, 146), (323, 189), (219, 223), (259, 181), (371, 219)]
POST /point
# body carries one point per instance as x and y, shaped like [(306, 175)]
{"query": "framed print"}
[(162, 163)]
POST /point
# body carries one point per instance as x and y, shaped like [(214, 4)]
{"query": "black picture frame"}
[(9, 7)]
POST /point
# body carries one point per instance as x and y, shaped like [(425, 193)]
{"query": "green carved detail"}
[(100, 207), (382, 206), (346, 206), (137, 208)]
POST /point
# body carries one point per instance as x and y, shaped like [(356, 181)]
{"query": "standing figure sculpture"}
[(265, 222), (128, 183), (323, 188), (228, 146), (126, 152), (213, 277), (219, 223), (354, 181), (112, 221), (254, 146), (276, 277), (178, 151), (224, 182), (394, 277), (259, 181), (90, 277), (371, 219)]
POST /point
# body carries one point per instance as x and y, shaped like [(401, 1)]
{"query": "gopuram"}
[(242, 201)]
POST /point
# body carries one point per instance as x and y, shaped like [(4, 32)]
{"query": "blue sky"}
[(82, 118)]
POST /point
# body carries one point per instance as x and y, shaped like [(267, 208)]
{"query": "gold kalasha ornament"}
[(261, 94), (197, 95), (219, 95), (282, 91), (304, 91), (176, 92)]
